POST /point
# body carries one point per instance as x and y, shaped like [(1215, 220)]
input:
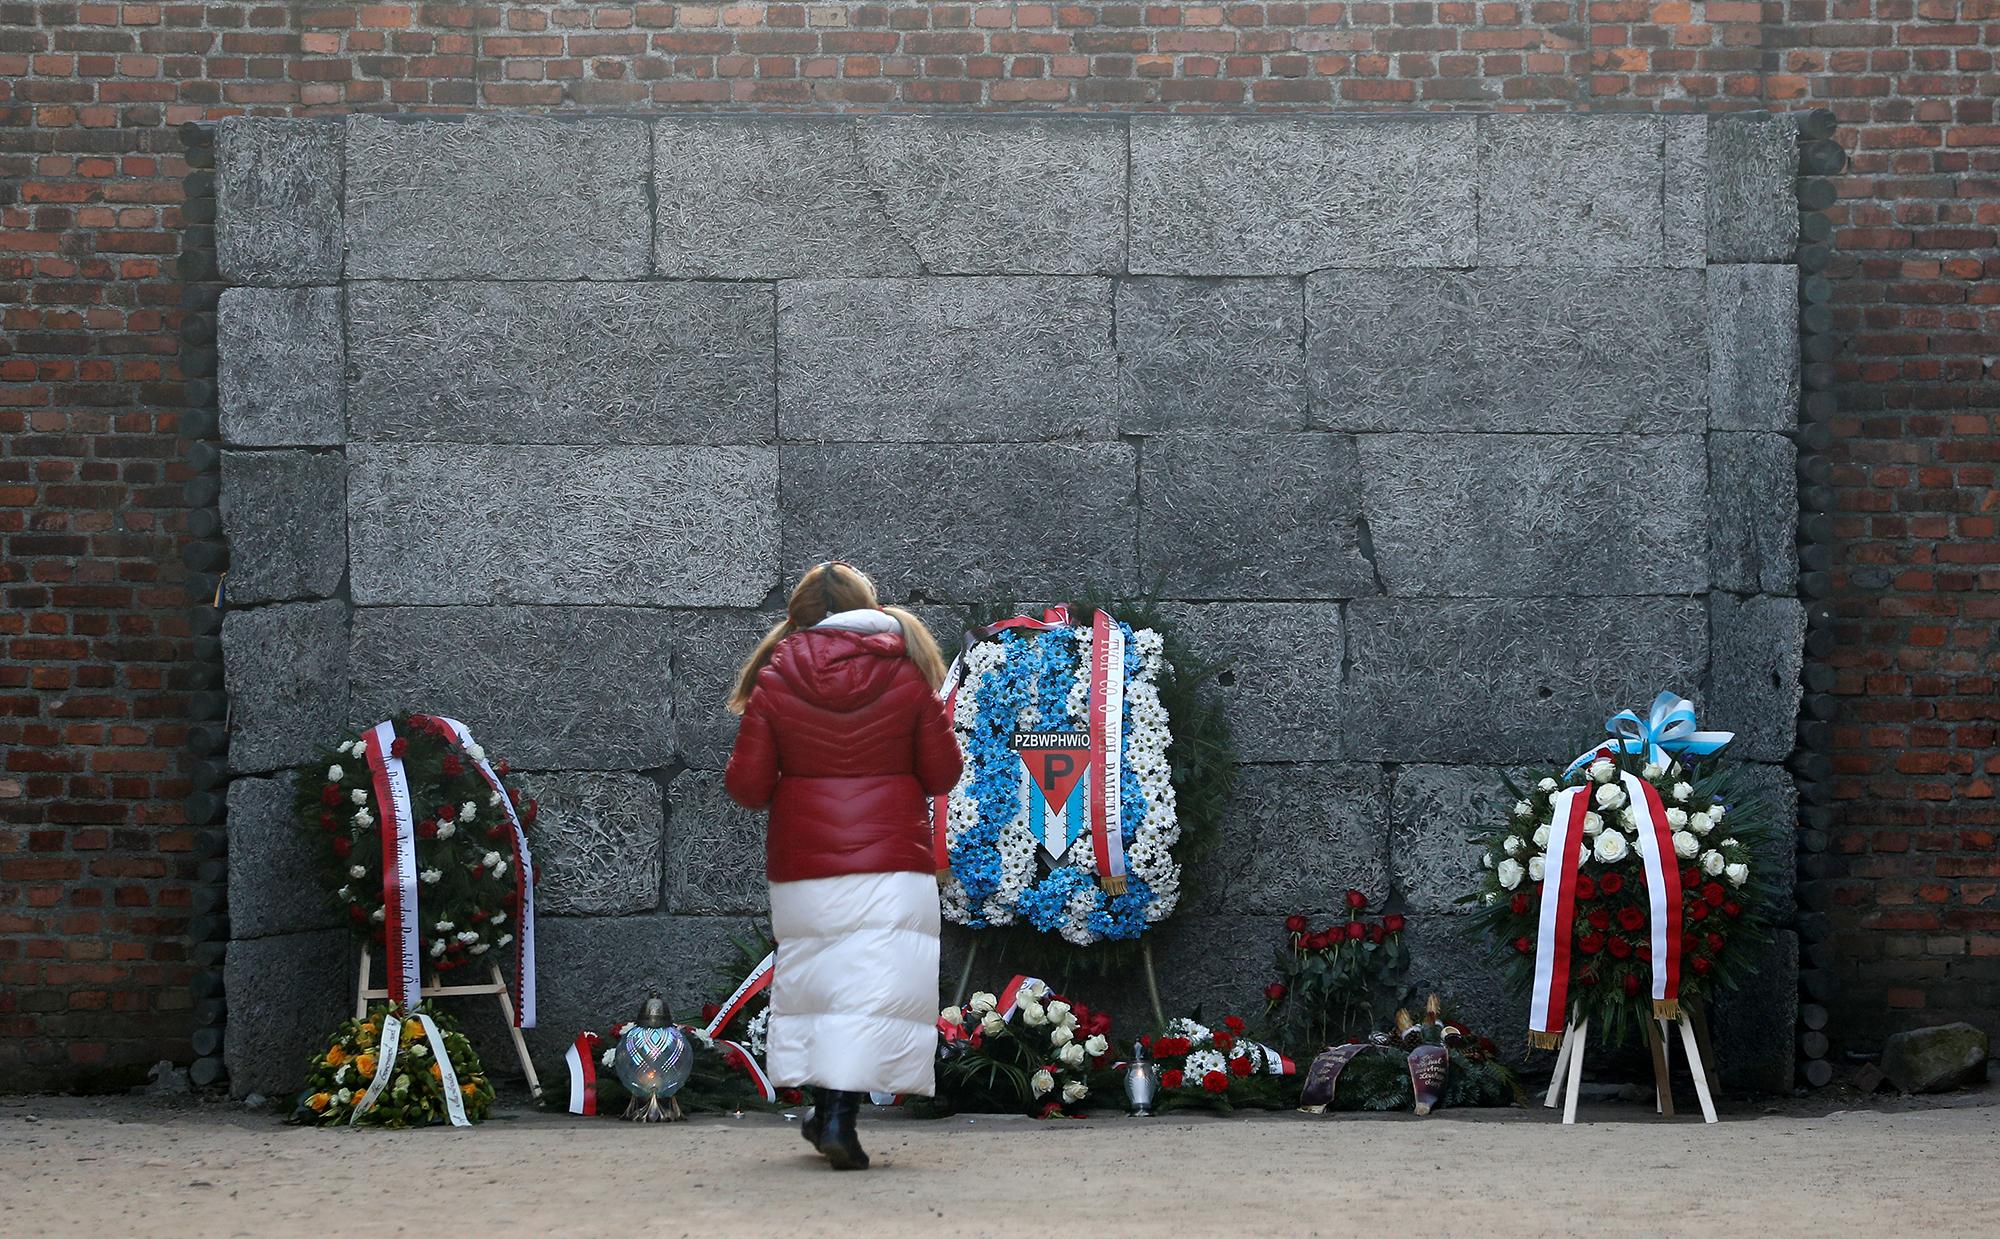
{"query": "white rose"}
[(1072, 1054), (1651, 770), (955, 1015), (467, 811), (500, 869), (479, 948), (505, 939), (419, 1049), (1042, 1082), (444, 927), (1058, 1012), (1737, 874), (1486, 861), (1513, 845), (610, 1055), (467, 936), (992, 1023), (1683, 790), (1592, 823), (1686, 845), (1510, 873), (1610, 796), (380, 915), (446, 830), (1677, 818), (363, 818), (1541, 836), (335, 774), (1701, 823), (490, 859), (1547, 785), (1523, 809), (1536, 868), (344, 1096), (1490, 898), (1097, 1046), (1075, 1090), (1602, 771), (1061, 1036), (437, 948), (1712, 863), (430, 876), (345, 893), (1610, 847), (357, 871), (497, 917), (1033, 988), (493, 800), (358, 796), (1034, 1014)]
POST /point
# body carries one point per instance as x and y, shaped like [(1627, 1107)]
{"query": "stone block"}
[(1450, 957), (1298, 837), (1431, 812), (278, 367), (277, 200), (1020, 520), (709, 647), (597, 843), (498, 197), (770, 197), (1770, 790), (663, 526), (1758, 650), (274, 864), (544, 687), (1937, 1059), (1754, 1028), (1219, 964), (1210, 355), (978, 358), (1510, 349), (1753, 347), (1268, 196), (597, 970), (1278, 673), (1570, 191), (1487, 515), (1684, 214), (1753, 513), (1253, 516), (1753, 195), (1003, 195), (715, 850), (284, 514), (577, 363), (1508, 679), (286, 996), (285, 667)]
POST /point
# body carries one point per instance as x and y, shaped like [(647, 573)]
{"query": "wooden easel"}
[(365, 992), (1567, 1080)]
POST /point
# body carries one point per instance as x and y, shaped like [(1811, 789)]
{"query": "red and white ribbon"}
[(1548, 999), (1010, 996), (1663, 891), (1274, 1063), (738, 1056), (756, 983), (399, 866), (581, 1057), (1107, 730), (524, 883)]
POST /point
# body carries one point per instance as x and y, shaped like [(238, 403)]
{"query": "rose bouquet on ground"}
[(1713, 834), (467, 889), (1030, 1052), (1439, 1058), (337, 1080), (1219, 1068), (1341, 980)]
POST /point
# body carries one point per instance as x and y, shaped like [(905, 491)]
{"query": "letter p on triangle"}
[(1056, 772)]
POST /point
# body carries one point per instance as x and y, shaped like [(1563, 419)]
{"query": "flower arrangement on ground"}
[(1219, 1068), (1421, 1064), (338, 1079), (1042, 832), (469, 890), (1339, 981), (1654, 867), (1025, 1050)]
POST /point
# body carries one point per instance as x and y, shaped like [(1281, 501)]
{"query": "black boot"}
[(837, 1139), (812, 1127)]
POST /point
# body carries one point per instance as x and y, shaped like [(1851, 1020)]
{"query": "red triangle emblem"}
[(1056, 771)]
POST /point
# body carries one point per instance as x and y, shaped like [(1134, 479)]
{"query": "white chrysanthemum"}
[(357, 871), (610, 1056), (1686, 845), (1537, 866), (1602, 771), (335, 774), (346, 893), (467, 936), (494, 799), (504, 939), (1681, 791), (1728, 843), (446, 830), (430, 876), (1201, 1062), (473, 751), (1737, 874), (1509, 873), (1185, 1027), (444, 927), (1712, 863), (1609, 796), (1610, 847), (437, 947), (500, 870), (467, 811), (363, 818), (359, 795), (479, 948)]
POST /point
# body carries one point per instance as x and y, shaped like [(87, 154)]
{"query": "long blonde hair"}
[(829, 589)]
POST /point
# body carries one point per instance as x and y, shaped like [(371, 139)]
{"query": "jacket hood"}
[(839, 668)]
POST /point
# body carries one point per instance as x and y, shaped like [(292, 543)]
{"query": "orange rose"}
[(335, 1056), (437, 1073), (470, 1090), (365, 1064), (319, 1101)]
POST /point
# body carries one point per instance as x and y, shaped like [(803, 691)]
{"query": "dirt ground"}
[(139, 1167)]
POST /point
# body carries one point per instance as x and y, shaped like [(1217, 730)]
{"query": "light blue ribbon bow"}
[(1668, 728)]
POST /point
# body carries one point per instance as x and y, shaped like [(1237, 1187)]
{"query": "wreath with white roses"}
[(465, 886)]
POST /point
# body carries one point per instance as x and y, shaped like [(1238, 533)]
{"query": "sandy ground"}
[(130, 1166)]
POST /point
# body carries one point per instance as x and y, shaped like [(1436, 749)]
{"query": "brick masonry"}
[(97, 667)]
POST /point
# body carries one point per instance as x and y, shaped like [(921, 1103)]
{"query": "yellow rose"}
[(411, 1032), (319, 1101)]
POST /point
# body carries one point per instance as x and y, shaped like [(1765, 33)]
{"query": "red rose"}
[(1631, 984), (1619, 947), (327, 823), (1232, 1023), (1215, 1082), (400, 747), (330, 795), (354, 912), (1690, 876), (1600, 918), (1319, 941), (478, 915), (1524, 944), (530, 811), (452, 766), (1713, 894), (1356, 900), (1687, 944), (1239, 1066), (1611, 884), (341, 847), (1630, 918), (1393, 922), (1224, 1041), (502, 769), (1519, 903), (446, 812), (1697, 911), (1643, 952), (1376, 933), (1732, 909), (1170, 1079), (1100, 1024), (1275, 992), (1295, 924), (495, 831), (791, 1096), (1590, 944), (1147, 1041), (1586, 980), (1701, 965), (1356, 931), (479, 871), (1585, 888), (1714, 941), (514, 796), (427, 829), (709, 1011)]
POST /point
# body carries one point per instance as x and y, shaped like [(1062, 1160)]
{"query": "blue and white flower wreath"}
[(1030, 680)]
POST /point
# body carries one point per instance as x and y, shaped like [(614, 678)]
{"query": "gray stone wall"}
[(1455, 433)]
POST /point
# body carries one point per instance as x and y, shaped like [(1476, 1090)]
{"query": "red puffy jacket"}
[(844, 741)]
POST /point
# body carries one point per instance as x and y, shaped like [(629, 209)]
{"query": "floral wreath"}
[(465, 885), (1036, 679), (337, 1080)]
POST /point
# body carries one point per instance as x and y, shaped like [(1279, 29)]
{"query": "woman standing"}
[(844, 740)]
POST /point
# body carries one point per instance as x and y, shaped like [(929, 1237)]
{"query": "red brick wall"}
[(95, 869)]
